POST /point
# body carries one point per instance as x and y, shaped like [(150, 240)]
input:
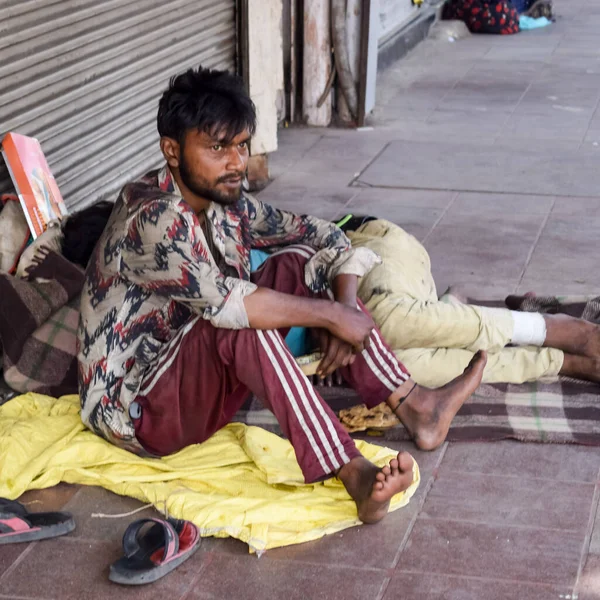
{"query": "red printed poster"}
[(33, 181)]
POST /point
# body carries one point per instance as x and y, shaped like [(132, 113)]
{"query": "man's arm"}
[(161, 255), (268, 309), (271, 227)]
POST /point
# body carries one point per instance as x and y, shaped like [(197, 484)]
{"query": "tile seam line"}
[(535, 243), (585, 548), (344, 209), (385, 584), (596, 110), (479, 578), (365, 185), (514, 110), (291, 561), (440, 218), (508, 476), (369, 163), (422, 501), (18, 561), (499, 525)]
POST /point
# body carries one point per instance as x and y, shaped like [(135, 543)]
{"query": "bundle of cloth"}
[(40, 287), (483, 16)]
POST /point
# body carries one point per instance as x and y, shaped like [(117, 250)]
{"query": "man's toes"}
[(381, 476), (386, 470), (394, 466), (378, 486), (405, 462)]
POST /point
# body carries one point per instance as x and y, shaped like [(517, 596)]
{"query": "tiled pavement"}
[(486, 150)]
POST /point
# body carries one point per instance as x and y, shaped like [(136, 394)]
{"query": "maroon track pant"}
[(204, 375)]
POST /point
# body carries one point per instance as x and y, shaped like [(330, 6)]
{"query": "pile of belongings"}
[(482, 16)]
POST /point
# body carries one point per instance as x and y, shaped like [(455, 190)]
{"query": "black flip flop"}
[(17, 525), (153, 548)]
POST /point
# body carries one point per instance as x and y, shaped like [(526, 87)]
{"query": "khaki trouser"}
[(434, 338)]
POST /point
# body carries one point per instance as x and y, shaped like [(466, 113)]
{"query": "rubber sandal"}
[(17, 525), (153, 548)]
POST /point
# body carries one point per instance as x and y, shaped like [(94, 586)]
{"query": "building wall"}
[(393, 14), (265, 60)]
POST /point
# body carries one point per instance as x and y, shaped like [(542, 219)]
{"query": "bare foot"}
[(513, 302), (427, 414), (373, 488)]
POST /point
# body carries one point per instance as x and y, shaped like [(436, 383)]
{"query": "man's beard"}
[(210, 193)]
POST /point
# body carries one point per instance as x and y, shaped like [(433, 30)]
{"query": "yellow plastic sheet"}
[(244, 482)]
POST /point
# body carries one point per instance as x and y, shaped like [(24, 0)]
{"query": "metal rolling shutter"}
[(84, 77)]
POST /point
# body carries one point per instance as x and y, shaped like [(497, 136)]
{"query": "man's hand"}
[(336, 353), (351, 325), (344, 338)]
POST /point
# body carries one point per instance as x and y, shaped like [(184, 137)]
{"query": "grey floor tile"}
[(311, 195), (49, 499), (585, 209), (518, 145), (333, 152), (65, 569), (595, 533), (544, 461), (93, 501), (249, 578), (9, 553), (548, 98), (382, 198), (562, 285), (378, 543), (565, 250), (493, 244), (512, 53), (424, 586), (468, 168), (589, 584), (557, 124), (292, 144), (415, 220), (509, 501), (477, 550), (474, 203)]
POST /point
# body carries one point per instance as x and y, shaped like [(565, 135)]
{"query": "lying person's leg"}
[(401, 297), (580, 341), (434, 367), (376, 373)]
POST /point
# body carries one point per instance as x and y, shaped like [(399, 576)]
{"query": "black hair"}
[(208, 100), (82, 231)]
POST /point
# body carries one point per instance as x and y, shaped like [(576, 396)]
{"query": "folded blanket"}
[(582, 307), (243, 482), (38, 326)]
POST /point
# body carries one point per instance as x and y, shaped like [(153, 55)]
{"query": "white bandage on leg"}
[(529, 329)]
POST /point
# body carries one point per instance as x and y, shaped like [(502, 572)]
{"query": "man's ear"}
[(171, 151)]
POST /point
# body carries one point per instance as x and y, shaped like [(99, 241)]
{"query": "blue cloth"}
[(296, 338), (526, 22)]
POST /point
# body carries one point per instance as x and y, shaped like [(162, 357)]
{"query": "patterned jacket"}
[(152, 271)]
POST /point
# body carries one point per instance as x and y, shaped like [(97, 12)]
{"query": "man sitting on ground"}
[(175, 332)]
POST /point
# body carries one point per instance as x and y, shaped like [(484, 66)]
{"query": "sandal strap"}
[(131, 543), (13, 524), (12, 507)]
